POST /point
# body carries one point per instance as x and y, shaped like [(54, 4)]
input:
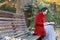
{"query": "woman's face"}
[(45, 12)]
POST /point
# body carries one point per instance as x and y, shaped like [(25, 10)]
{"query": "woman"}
[(39, 22)]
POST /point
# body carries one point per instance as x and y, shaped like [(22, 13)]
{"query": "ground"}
[(57, 33)]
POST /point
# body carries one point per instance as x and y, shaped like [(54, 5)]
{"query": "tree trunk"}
[(20, 4)]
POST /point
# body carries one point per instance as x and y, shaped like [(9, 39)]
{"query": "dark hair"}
[(43, 9)]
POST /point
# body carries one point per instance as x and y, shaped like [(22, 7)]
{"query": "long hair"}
[(43, 9)]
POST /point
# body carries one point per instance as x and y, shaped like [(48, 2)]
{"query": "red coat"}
[(39, 24)]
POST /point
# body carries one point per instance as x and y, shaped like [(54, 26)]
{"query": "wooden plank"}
[(11, 24)]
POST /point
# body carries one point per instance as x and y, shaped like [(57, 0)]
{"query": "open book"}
[(49, 23)]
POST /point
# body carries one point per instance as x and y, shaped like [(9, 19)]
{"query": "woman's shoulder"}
[(38, 14)]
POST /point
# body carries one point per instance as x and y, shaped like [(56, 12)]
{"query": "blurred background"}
[(31, 7)]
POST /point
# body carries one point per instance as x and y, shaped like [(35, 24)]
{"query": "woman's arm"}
[(39, 20)]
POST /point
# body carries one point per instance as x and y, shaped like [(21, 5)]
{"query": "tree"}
[(20, 4)]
